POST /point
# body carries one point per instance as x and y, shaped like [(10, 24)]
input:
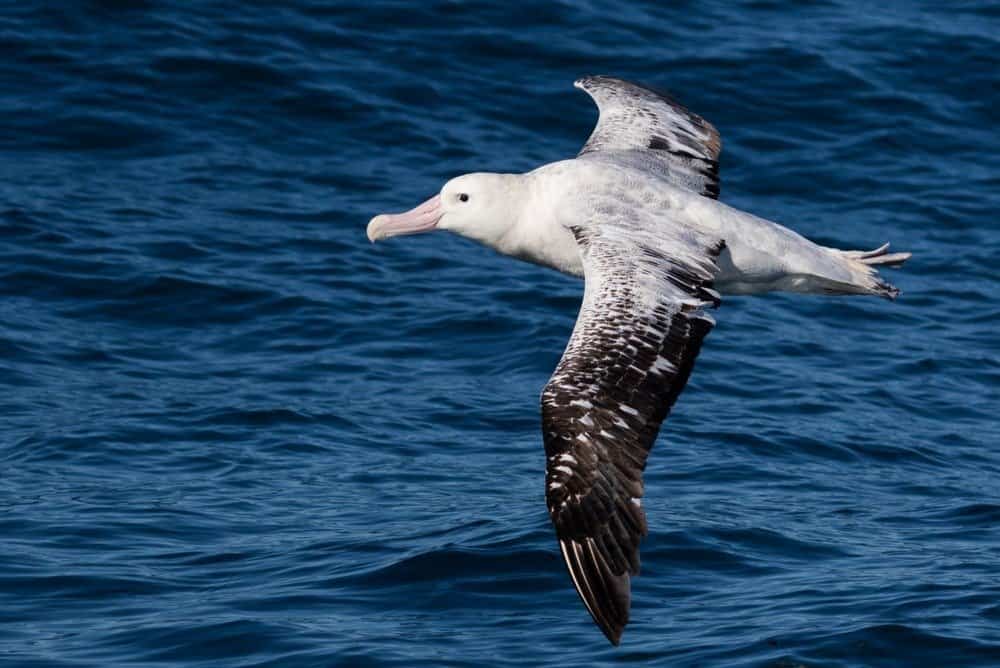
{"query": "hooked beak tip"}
[(373, 231)]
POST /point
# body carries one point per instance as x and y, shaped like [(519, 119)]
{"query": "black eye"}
[(463, 197)]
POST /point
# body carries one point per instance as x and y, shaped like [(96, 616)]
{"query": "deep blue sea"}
[(234, 433)]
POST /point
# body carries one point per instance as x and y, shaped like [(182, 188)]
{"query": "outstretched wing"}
[(651, 129), (639, 330)]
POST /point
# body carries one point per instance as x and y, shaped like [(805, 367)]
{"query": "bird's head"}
[(479, 206)]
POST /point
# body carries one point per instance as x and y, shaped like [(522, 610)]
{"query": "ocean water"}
[(234, 433)]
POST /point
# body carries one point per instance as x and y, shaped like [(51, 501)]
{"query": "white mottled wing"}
[(652, 130), (639, 330)]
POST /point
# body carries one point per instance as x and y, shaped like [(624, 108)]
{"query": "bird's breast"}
[(548, 244)]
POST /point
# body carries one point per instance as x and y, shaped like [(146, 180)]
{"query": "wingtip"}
[(614, 635), (605, 596), (612, 629)]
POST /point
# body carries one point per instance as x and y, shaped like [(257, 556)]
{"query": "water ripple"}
[(236, 434)]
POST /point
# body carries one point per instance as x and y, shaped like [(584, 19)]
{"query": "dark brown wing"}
[(639, 330)]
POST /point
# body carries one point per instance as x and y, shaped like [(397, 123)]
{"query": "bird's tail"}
[(864, 267)]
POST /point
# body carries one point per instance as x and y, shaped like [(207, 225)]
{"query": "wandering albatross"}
[(636, 214)]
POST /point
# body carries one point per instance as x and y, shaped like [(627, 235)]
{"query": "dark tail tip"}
[(888, 291)]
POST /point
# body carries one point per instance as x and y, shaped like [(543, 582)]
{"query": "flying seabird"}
[(636, 214)]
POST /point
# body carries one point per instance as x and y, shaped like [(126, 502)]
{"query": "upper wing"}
[(639, 330), (654, 130)]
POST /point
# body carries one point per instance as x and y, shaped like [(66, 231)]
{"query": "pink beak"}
[(421, 219)]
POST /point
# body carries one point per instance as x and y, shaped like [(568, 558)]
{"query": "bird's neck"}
[(535, 233)]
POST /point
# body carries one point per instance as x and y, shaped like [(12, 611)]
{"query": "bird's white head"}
[(480, 206)]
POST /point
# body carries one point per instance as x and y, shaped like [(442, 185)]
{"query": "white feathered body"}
[(759, 256)]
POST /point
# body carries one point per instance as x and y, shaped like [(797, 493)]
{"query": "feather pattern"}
[(650, 130), (636, 213), (639, 330)]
